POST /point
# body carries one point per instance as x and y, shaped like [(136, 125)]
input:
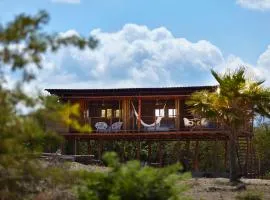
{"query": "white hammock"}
[(156, 123)]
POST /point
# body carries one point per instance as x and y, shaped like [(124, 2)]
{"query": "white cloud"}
[(136, 56), (67, 1), (255, 4)]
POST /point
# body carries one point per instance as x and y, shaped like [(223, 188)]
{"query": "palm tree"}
[(235, 101)]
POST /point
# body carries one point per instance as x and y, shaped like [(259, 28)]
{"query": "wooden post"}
[(100, 147), (225, 154), (126, 114), (187, 158), (122, 151), (138, 148), (248, 156), (89, 147), (75, 146), (177, 109), (149, 152), (196, 162), (139, 113), (160, 154), (68, 115), (216, 156), (181, 112), (62, 146)]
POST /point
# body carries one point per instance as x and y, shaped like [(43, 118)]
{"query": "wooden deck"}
[(183, 135)]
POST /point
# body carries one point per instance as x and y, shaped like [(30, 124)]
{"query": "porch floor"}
[(211, 134)]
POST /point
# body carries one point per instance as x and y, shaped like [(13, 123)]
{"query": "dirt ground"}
[(208, 188), (220, 189)]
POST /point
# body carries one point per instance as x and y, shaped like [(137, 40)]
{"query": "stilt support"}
[(149, 153), (89, 147), (75, 146), (160, 154), (138, 148), (196, 162)]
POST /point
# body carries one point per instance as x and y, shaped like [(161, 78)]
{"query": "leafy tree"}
[(236, 101), (23, 42), (131, 181)]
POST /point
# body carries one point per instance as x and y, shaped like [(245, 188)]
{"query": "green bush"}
[(250, 195), (133, 182)]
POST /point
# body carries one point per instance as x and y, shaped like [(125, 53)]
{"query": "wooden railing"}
[(167, 124)]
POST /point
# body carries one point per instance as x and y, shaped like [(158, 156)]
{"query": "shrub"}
[(131, 181)]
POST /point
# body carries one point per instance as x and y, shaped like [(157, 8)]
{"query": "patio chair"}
[(101, 126), (188, 123), (204, 122), (116, 126)]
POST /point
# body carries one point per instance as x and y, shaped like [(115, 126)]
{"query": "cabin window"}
[(172, 113), (103, 113), (159, 112), (117, 113), (109, 113)]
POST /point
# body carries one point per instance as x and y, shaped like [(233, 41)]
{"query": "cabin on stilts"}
[(149, 116)]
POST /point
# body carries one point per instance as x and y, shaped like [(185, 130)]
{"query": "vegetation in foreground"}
[(23, 137), (132, 181)]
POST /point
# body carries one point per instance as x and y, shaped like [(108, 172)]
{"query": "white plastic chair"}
[(204, 122), (101, 126), (116, 126), (188, 123)]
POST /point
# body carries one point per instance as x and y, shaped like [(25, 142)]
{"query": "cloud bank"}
[(255, 4), (136, 56)]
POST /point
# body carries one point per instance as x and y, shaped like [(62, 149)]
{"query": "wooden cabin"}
[(141, 114)]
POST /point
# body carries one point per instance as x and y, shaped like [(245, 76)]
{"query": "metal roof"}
[(129, 91)]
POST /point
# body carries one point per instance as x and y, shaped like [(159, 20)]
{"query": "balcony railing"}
[(167, 124)]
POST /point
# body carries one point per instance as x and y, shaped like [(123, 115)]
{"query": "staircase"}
[(247, 161)]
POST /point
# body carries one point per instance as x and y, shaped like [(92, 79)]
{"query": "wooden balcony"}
[(183, 134)]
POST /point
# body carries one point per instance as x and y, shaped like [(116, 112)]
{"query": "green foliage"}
[(23, 43), (236, 99), (131, 181), (262, 143), (249, 195), (234, 103)]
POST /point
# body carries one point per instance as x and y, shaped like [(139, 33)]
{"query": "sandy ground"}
[(219, 188)]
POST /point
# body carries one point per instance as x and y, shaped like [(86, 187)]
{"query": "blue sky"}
[(210, 34)]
